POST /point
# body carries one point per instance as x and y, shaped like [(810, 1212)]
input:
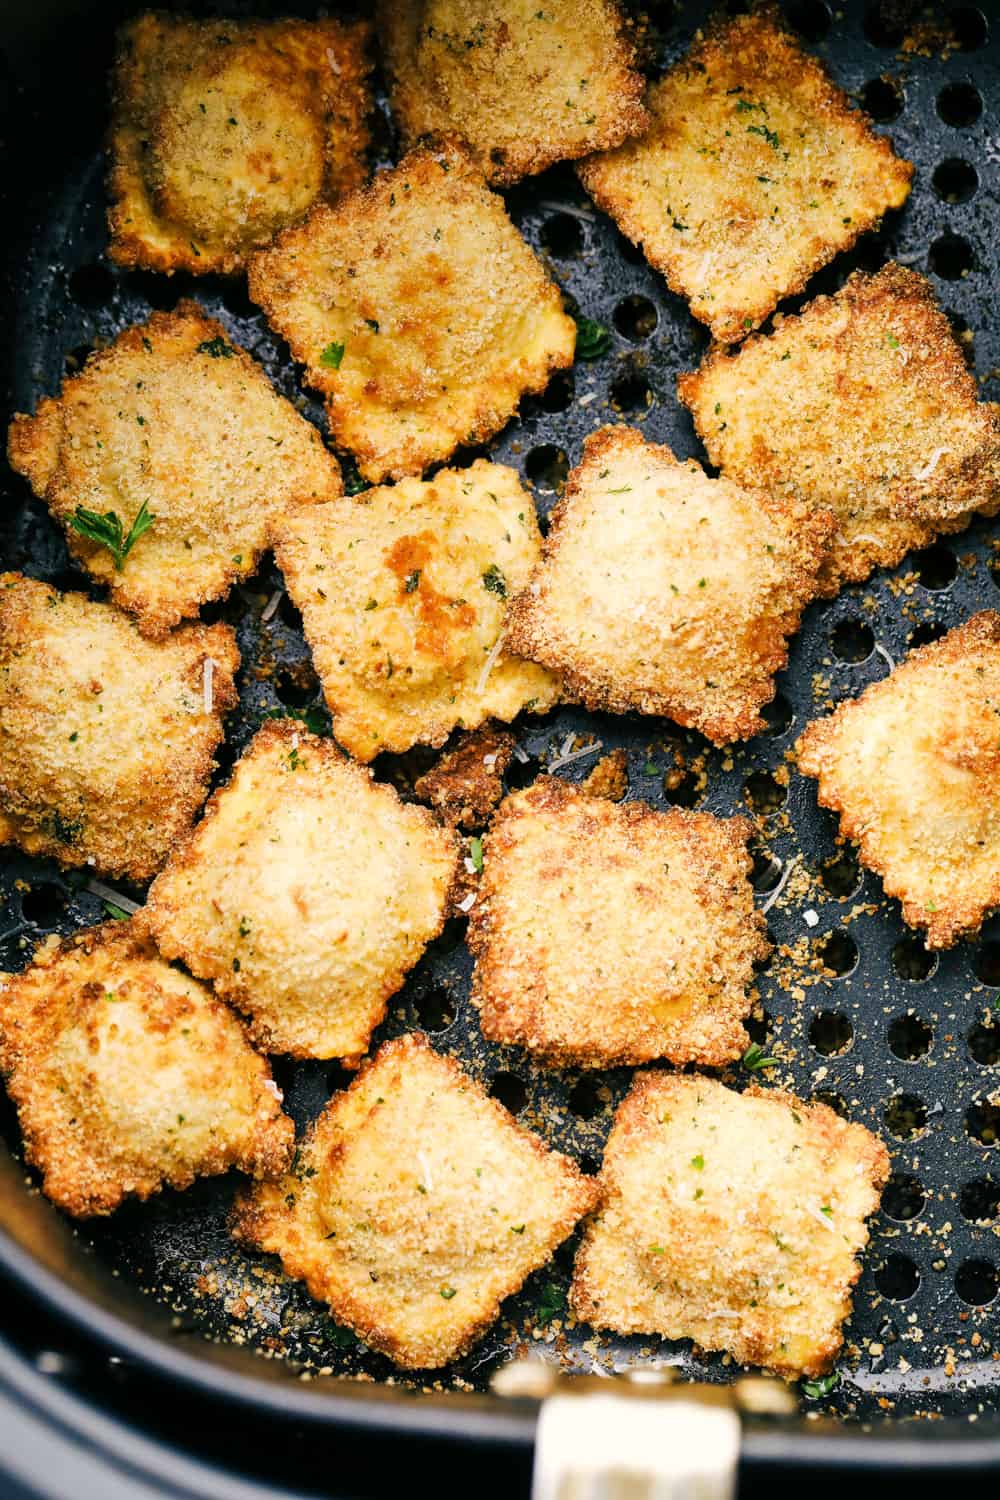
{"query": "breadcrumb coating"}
[(418, 310), (176, 417), (106, 739), (612, 934), (128, 1076), (911, 767), (466, 784), (754, 173), (668, 592), (416, 1204), (225, 132), (522, 87), (862, 405), (305, 895), (731, 1219), (403, 595)]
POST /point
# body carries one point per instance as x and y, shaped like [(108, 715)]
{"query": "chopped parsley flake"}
[(332, 356), (412, 581), (769, 136), (817, 1389), (754, 1059), (494, 582), (592, 339), (447, 1292), (698, 1162), (553, 1302), (217, 348), (476, 854)]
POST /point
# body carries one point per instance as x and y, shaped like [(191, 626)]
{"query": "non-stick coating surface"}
[(851, 1003)]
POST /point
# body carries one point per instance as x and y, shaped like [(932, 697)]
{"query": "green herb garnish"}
[(217, 348), (311, 716), (412, 581), (592, 339), (332, 356), (817, 1389), (698, 1162), (107, 530), (476, 854), (115, 912), (447, 1292), (754, 1059), (553, 1302), (494, 582)]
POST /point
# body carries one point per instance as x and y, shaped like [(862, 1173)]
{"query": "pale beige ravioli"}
[(225, 132), (418, 310), (731, 1219), (404, 593), (862, 405), (608, 934), (912, 768), (106, 738), (416, 1204), (129, 1076), (754, 173), (306, 894), (668, 592), (175, 422)]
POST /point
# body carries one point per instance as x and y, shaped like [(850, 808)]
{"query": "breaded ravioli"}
[(176, 418), (129, 1076), (106, 739), (731, 1219), (522, 86), (607, 934), (416, 1204), (863, 405), (912, 768), (403, 595), (305, 895), (225, 132), (418, 310), (668, 592), (755, 172)]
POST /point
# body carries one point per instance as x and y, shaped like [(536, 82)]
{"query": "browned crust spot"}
[(466, 783)]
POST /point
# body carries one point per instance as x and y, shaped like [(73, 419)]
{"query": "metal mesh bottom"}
[(855, 1008)]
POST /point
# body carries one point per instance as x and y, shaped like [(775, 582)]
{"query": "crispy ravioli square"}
[(129, 1076), (418, 310), (177, 427), (610, 934), (415, 1206), (862, 405), (225, 132), (106, 738), (731, 1219), (911, 767), (523, 87), (755, 172), (305, 895), (668, 592), (403, 594)]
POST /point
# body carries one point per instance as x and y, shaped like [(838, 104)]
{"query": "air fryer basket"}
[(856, 1010)]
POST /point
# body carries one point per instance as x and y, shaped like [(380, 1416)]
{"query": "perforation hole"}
[(841, 875), (435, 1010), (969, 27), (833, 1101), (904, 1197), (765, 872), (778, 716), (980, 1200), (926, 632), (288, 614), (897, 1278), (982, 1122), (636, 317), (935, 567), (92, 286), (912, 960), (955, 180), (298, 685), (810, 18), (547, 467), (986, 964), (558, 394), (951, 257), (830, 1033), (764, 793), (905, 1116), (959, 105), (880, 28), (852, 641), (882, 98), (585, 1098), (837, 952), (910, 1037), (683, 788), (521, 773), (589, 1165), (977, 1282), (630, 390), (43, 905), (984, 1044), (757, 1028), (562, 236), (510, 1090)]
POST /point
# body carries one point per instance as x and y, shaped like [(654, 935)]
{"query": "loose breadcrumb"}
[(609, 934), (912, 768), (225, 132), (862, 405), (754, 173), (106, 740), (522, 86), (305, 895), (403, 595), (609, 778), (128, 1076), (416, 1204), (466, 784), (175, 417), (731, 1219), (668, 592), (418, 310)]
